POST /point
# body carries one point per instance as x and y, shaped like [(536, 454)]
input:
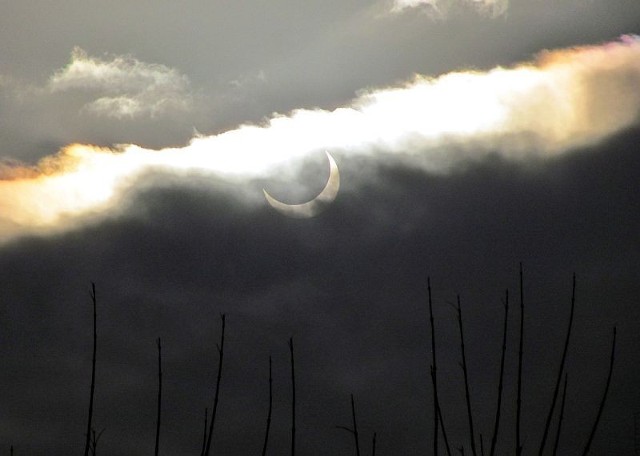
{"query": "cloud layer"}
[(560, 101), (123, 87), (441, 8)]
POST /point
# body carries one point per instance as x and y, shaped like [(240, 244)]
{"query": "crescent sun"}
[(317, 204)]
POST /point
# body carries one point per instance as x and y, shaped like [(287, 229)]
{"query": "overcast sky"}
[(136, 139)]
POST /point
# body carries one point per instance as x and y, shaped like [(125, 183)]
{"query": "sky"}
[(137, 140)]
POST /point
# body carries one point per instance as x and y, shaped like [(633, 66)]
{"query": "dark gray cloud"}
[(349, 285)]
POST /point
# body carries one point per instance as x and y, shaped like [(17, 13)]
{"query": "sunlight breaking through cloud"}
[(562, 100)]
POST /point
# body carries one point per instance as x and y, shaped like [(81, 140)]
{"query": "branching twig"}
[(354, 430), (355, 426), (94, 441)]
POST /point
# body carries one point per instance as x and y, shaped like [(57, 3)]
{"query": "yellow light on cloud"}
[(562, 100)]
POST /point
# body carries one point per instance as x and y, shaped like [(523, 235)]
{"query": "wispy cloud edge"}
[(123, 86), (440, 9)]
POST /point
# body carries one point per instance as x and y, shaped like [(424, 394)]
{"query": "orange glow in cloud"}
[(562, 100)]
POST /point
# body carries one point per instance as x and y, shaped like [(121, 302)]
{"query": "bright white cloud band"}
[(562, 100)]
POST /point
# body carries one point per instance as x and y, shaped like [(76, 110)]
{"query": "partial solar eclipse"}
[(317, 204)]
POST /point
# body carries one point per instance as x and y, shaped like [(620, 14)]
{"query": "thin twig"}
[(204, 435), (564, 396), (442, 427), (217, 395), (266, 434), (293, 400), (496, 425), (519, 393), (93, 371), (159, 396), (355, 426), (466, 382), (354, 430), (95, 438), (604, 395), (434, 373), (560, 369)]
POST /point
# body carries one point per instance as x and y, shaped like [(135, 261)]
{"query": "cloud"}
[(123, 87), (114, 100), (441, 8), (560, 101), (258, 78)]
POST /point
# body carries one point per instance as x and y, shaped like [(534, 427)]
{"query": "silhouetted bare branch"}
[(217, 394), (434, 371), (159, 396), (204, 434), (520, 355), (564, 396), (293, 400), (560, 369), (496, 425), (95, 438), (442, 428), (87, 446), (466, 383), (355, 426), (354, 430), (266, 434), (604, 395)]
